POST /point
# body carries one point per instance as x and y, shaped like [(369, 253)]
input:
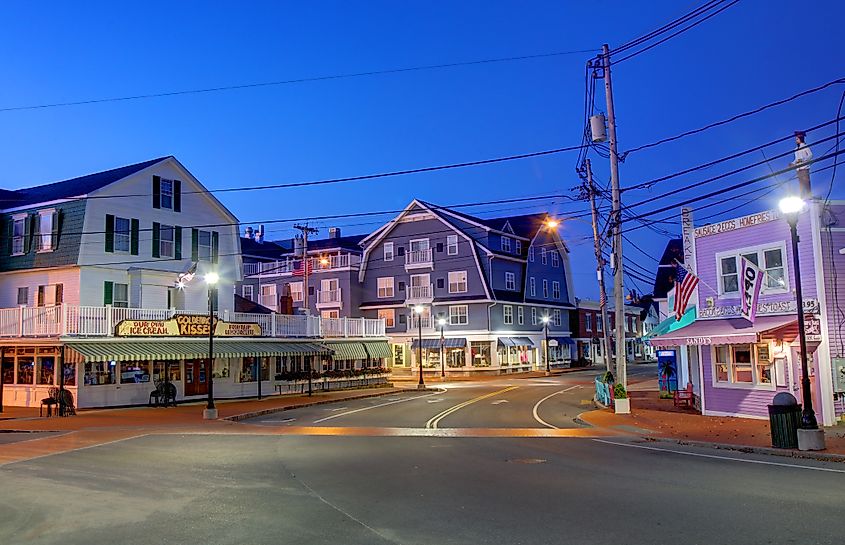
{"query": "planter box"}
[(622, 406)]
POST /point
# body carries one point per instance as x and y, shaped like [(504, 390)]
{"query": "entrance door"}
[(196, 377)]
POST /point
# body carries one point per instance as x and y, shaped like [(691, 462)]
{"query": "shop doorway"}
[(196, 377)]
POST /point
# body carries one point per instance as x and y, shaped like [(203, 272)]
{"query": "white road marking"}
[(438, 400), (499, 402), (377, 406), (434, 420), (276, 421), (536, 409), (728, 458), (335, 409)]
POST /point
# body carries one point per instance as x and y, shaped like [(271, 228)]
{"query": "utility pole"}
[(305, 230), (616, 225), (600, 263)]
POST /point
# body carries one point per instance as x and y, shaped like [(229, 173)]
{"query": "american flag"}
[(300, 270), (685, 284)]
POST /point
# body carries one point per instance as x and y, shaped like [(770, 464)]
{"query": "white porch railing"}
[(287, 266), (419, 294), (91, 321), (418, 258)]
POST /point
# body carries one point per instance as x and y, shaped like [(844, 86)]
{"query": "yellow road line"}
[(434, 420)]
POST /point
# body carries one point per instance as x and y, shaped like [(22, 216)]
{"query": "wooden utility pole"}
[(600, 263), (616, 225), (305, 230)]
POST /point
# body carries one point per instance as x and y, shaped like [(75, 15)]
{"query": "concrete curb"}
[(253, 414), (785, 453)]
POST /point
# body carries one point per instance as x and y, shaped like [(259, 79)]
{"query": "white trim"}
[(458, 282), (760, 250), (505, 257), (475, 223), (385, 253), (465, 314), (754, 385), (740, 415), (379, 287), (29, 207), (823, 350)]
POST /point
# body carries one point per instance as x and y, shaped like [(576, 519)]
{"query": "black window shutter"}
[(109, 233), (439, 247), (195, 245), (133, 236), (156, 191), (177, 195), (6, 242), (60, 293), (440, 283), (57, 227), (215, 246), (401, 286), (402, 318), (29, 227), (108, 292), (177, 244), (400, 251), (35, 232), (156, 239), (310, 290)]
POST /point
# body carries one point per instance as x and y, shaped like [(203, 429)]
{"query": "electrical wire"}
[(667, 27)]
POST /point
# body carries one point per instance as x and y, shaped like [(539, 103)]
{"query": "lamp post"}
[(813, 437), (418, 310), (546, 334), (210, 412), (442, 322)]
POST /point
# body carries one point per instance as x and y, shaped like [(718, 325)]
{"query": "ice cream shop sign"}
[(184, 325)]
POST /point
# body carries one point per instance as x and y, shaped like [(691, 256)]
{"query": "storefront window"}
[(249, 369), (455, 357), (743, 370), (100, 372), (480, 353), (8, 370), (764, 364), (26, 370), (735, 364), (431, 357), (399, 355), (132, 372), (46, 369), (174, 370), (69, 371)]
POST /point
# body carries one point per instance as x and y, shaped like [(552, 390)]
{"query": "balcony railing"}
[(287, 266), (418, 259), (419, 294), (91, 321), (328, 298), (427, 323)]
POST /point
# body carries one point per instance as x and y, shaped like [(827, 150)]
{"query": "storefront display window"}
[(174, 370), (8, 369), (26, 370), (46, 369), (69, 371), (431, 357), (480, 353), (455, 357), (249, 369), (736, 363), (99, 372), (132, 372)]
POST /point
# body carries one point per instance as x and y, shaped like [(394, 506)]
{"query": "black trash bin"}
[(784, 420)]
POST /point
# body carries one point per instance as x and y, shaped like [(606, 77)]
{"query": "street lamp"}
[(552, 223), (418, 310), (210, 412), (442, 322), (791, 207), (545, 320)]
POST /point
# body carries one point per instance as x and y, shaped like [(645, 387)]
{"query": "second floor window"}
[(18, 235), (296, 291), (532, 286), (122, 234), (520, 315), (588, 322), (389, 317), (458, 315), (510, 281), (167, 240), (23, 296), (166, 193), (556, 317), (599, 323), (268, 296), (544, 256), (555, 289), (116, 294), (507, 312), (204, 245), (533, 316), (555, 259), (546, 289), (770, 260), (385, 287), (457, 282), (388, 251), (248, 292)]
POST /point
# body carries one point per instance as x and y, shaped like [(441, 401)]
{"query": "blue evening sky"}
[(755, 52)]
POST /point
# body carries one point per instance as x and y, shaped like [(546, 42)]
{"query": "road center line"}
[(535, 411), (728, 458), (433, 421), (377, 406)]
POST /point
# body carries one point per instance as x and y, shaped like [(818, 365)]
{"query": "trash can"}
[(784, 420)]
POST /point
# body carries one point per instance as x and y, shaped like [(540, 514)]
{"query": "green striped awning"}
[(378, 349), (347, 351), (125, 350)]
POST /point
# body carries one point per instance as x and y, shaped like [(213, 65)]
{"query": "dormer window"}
[(18, 234), (506, 244)]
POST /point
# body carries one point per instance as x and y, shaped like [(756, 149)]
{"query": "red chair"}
[(684, 397)]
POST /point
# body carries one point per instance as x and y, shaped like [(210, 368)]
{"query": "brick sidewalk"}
[(653, 417)]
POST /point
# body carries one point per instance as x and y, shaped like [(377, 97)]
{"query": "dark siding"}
[(67, 252)]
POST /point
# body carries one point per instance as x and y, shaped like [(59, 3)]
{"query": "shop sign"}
[(778, 307), (699, 340), (737, 223), (813, 329), (185, 325)]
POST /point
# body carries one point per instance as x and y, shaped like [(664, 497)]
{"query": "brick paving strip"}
[(90, 428)]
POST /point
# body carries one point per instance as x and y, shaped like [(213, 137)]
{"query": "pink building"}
[(737, 367)]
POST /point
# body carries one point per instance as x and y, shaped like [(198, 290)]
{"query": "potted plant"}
[(621, 403)]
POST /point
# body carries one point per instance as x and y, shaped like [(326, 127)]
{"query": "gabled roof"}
[(74, 187), (268, 249), (664, 279), (525, 225)]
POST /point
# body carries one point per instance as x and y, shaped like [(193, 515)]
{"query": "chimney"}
[(259, 235), (334, 232), (298, 245), (248, 232)]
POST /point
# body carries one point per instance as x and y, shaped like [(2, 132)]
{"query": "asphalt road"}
[(275, 488)]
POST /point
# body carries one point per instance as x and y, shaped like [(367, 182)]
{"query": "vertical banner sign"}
[(688, 234), (751, 281)]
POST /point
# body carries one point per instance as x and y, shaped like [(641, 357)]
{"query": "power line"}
[(294, 81), (667, 27), (734, 118), (681, 31)]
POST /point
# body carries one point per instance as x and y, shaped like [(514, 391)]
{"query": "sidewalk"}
[(658, 418)]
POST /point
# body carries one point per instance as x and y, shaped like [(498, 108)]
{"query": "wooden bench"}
[(684, 397)]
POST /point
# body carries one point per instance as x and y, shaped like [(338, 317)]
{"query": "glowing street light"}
[(552, 223)]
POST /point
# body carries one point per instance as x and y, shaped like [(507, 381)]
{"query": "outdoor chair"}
[(164, 394), (49, 402), (683, 397)]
